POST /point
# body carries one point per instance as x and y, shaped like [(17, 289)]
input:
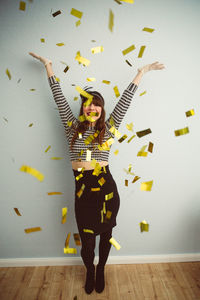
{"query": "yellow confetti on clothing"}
[(69, 123), (79, 177), (97, 49), (60, 44), (129, 49), (122, 138), (95, 189), (102, 216), (33, 229), (144, 226), (80, 192), (80, 135), (117, 93), (91, 79), (141, 51), (70, 251), (109, 196), (143, 93), (148, 29), (33, 172), (54, 193), (146, 186), (189, 113), (181, 131), (111, 20), (64, 215), (106, 144), (77, 239), (106, 81), (82, 118), (88, 230), (115, 132), (108, 215), (88, 155), (101, 181), (97, 169), (17, 211), (49, 147), (76, 13), (22, 5), (115, 243), (8, 74)]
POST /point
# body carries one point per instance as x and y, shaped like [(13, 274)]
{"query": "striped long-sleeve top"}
[(79, 150)]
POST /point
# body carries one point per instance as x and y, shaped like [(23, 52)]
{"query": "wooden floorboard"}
[(167, 281)]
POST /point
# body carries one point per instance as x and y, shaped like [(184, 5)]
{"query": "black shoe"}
[(100, 281), (89, 284)]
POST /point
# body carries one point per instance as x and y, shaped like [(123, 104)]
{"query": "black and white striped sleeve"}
[(63, 106), (123, 105)]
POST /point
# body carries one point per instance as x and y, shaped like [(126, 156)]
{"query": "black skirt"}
[(96, 201)]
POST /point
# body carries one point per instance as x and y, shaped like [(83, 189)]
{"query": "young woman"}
[(96, 195)]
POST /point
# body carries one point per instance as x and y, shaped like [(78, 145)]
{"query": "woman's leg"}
[(87, 253), (104, 249)]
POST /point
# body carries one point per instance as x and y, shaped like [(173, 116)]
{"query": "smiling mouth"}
[(92, 114)]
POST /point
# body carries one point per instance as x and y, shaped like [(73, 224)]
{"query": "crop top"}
[(80, 148)]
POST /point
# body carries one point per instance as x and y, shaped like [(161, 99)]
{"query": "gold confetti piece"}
[(76, 13), (131, 138), (19, 80), (111, 20), (117, 93), (135, 179), (148, 29), (111, 121), (30, 125), (91, 79), (64, 215), (78, 23), (128, 63), (129, 49), (75, 98), (33, 229), (129, 126), (97, 170), (118, 1), (109, 196), (181, 131), (88, 155), (108, 215), (146, 186), (58, 12), (8, 74), (129, 170), (42, 40), (106, 81), (66, 69), (32, 90), (97, 49), (33, 172), (116, 152), (22, 5), (104, 207), (115, 132), (82, 118), (106, 144), (95, 189), (80, 192), (49, 147), (79, 177), (141, 51), (88, 230), (5, 119), (144, 226), (67, 240), (69, 123), (93, 163), (84, 93), (57, 79), (102, 216), (56, 158), (189, 113), (142, 151), (143, 132), (70, 250), (80, 169), (115, 243), (104, 168), (54, 193), (82, 60), (122, 138), (17, 211), (77, 239), (150, 148), (60, 44), (143, 93), (101, 181), (126, 182), (81, 152), (80, 135)]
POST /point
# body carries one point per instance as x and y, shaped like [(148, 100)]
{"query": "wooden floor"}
[(123, 282)]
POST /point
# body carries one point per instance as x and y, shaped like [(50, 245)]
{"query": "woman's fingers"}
[(34, 55)]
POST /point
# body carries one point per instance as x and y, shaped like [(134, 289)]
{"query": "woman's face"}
[(93, 112)]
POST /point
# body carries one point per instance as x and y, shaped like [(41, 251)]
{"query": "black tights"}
[(88, 245)]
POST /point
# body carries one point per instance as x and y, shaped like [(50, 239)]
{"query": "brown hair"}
[(100, 124)]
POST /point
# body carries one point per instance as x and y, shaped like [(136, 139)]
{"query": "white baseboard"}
[(62, 261)]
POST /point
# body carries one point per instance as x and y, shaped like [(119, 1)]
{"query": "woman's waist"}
[(87, 165)]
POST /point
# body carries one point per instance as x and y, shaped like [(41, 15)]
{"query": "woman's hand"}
[(154, 66), (44, 60)]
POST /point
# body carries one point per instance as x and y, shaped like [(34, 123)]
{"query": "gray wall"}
[(172, 207)]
